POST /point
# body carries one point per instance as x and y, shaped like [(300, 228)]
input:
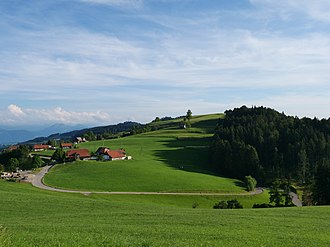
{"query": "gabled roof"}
[(112, 153), (102, 150), (40, 146), (83, 153), (66, 145), (115, 154), (11, 148)]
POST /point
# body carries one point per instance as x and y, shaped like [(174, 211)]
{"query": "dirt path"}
[(37, 182)]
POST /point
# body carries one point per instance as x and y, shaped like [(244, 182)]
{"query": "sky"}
[(97, 62)]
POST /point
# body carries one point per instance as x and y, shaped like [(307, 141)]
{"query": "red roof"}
[(11, 148), (40, 146), (66, 145), (82, 153), (116, 154)]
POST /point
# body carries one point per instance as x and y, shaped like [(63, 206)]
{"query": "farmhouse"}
[(12, 148), (66, 145), (82, 154), (40, 147), (80, 139), (111, 154)]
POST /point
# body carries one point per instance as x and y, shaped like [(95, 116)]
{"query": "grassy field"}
[(33, 217), (159, 164), (48, 153), (164, 160), (169, 159)]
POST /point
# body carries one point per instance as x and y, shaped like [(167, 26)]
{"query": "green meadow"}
[(33, 217), (168, 159), (159, 164)]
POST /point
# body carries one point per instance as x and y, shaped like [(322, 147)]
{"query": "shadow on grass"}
[(188, 154), (239, 184)]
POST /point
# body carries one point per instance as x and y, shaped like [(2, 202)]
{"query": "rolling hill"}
[(167, 159)]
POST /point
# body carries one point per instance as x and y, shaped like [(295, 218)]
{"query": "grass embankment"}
[(33, 217)]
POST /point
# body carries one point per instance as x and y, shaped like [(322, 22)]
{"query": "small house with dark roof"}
[(75, 154)]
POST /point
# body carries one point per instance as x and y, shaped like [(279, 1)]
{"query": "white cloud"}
[(81, 67), (15, 110), (15, 115)]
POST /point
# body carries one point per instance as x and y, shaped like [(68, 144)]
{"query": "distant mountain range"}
[(12, 136), (114, 129)]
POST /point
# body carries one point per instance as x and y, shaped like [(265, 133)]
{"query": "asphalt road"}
[(38, 182)]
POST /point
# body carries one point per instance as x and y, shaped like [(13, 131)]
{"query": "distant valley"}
[(12, 135)]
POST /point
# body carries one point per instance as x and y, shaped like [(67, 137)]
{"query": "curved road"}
[(37, 182)]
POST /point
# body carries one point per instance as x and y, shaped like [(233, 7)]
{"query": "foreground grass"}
[(34, 217)]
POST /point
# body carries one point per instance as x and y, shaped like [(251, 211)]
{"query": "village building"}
[(108, 154), (41, 147), (80, 139), (75, 154), (66, 145), (12, 148)]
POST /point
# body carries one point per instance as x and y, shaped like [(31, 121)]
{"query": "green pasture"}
[(48, 153), (159, 164), (170, 159), (33, 217)]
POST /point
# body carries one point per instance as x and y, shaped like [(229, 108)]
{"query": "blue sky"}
[(100, 62)]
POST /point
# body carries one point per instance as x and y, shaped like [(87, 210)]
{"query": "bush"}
[(234, 204), (220, 205), (250, 183), (231, 204), (262, 205)]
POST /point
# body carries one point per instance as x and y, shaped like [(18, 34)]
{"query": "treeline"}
[(19, 158), (266, 144)]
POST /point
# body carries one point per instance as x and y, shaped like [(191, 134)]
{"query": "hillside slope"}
[(169, 159)]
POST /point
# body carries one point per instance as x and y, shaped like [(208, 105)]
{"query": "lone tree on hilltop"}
[(189, 114)]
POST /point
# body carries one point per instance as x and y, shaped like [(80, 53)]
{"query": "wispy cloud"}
[(15, 115), (126, 4), (133, 65), (316, 10)]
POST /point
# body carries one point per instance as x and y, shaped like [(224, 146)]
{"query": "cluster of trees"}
[(19, 158), (266, 144), (143, 128), (231, 204), (279, 195)]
